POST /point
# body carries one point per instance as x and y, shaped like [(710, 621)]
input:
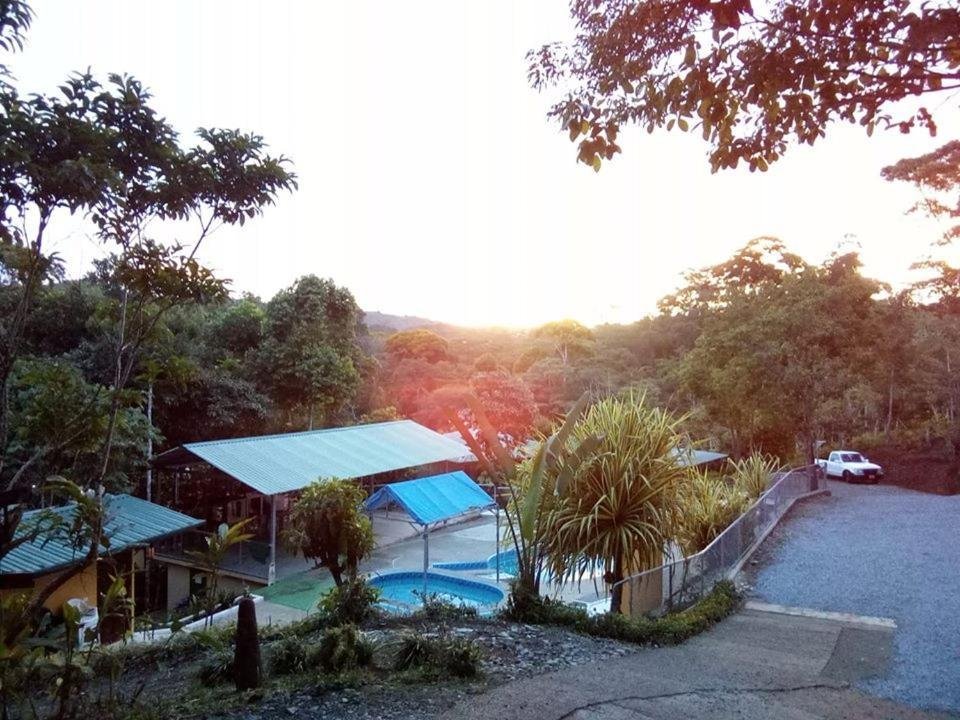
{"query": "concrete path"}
[(753, 666)]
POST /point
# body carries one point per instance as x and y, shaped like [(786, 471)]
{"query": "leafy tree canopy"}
[(750, 76)]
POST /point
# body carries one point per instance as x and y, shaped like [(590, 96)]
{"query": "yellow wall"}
[(82, 585)]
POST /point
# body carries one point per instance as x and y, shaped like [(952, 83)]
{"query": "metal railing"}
[(250, 557), (681, 582)]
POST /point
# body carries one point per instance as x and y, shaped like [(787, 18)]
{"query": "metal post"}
[(426, 560), (272, 571), (496, 549), (150, 442)]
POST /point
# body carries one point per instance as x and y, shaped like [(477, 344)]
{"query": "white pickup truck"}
[(851, 466)]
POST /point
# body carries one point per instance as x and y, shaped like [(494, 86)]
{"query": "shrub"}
[(460, 657), (341, 648), (289, 656), (349, 604), (752, 474), (454, 657), (437, 609), (217, 669), (670, 629), (526, 606), (709, 504)]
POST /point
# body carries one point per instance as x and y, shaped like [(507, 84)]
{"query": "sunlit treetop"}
[(751, 77)]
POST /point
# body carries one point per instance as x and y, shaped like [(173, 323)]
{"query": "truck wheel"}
[(846, 476)]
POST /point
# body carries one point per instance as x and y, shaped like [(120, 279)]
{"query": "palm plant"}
[(709, 504), (212, 556), (752, 474), (616, 508), (528, 485)]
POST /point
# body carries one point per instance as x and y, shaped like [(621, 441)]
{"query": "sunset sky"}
[(431, 182)]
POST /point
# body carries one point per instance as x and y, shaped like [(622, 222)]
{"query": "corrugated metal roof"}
[(130, 521), (690, 457), (432, 499), (273, 464)]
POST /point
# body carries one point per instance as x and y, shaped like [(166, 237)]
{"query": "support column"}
[(272, 571), (426, 560), (496, 548)]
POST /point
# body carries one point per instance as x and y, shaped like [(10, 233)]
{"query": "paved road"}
[(881, 551), (753, 666)]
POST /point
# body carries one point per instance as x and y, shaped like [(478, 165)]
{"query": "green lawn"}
[(300, 591)]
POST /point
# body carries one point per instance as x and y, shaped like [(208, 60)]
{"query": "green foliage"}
[(290, 655), (615, 508), (753, 473), (212, 556), (340, 649), (351, 602), (440, 657), (708, 504), (217, 669), (309, 359), (716, 67), (435, 608), (327, 524), (669, 629), (419, 344)]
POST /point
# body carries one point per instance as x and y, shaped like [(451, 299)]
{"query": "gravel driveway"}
[(881, 551)]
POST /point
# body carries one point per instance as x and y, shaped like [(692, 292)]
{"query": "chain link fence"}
[(681, 582)]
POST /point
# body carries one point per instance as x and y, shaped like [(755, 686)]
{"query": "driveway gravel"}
[(885, 552)]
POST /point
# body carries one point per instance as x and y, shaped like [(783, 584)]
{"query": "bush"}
[(341, 648), (454, 657), (216, 670), (349, 604), (525, 606), (670, 629), (437, 609), (289, 656)]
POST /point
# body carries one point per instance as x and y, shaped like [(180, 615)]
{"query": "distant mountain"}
[(385, 321)]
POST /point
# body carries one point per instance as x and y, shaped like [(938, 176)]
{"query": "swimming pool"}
[(406, 588)]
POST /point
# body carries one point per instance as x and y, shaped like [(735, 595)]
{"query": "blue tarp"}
[(432, 499)]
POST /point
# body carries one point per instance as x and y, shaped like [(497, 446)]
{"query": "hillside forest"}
[(761, 352)]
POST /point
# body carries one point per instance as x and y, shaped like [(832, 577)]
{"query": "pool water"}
[(407, 588)]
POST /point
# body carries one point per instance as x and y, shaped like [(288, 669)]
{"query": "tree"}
[(309, 356), (769, 364), (211, 559), (507, 401), (750, 75), (328, 526), (418, 344), (103, 150), (937, 172), (569, 338), (617, 512)]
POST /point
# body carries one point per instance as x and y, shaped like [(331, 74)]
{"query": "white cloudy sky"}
[(431, 182)]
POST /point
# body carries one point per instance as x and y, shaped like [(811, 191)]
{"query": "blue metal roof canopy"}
[(130, 521), (275, 464), (434, 499)]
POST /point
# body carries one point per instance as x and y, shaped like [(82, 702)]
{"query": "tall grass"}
[(709, 503), (752, 474)]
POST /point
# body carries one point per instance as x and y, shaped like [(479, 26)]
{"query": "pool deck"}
[(400, 548)]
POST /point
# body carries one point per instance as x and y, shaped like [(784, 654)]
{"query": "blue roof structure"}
[(130, 521), (432, 499), (273, 464)]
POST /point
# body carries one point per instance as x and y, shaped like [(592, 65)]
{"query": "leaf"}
[(683, 124), (596, 163), (690, 56)]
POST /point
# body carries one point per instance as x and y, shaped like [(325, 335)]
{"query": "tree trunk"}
[(616, 597)]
